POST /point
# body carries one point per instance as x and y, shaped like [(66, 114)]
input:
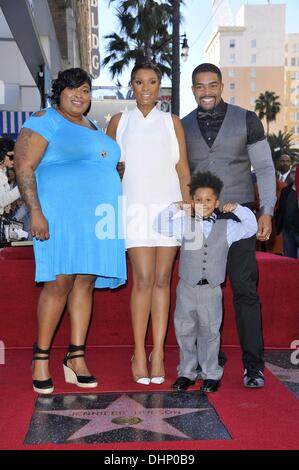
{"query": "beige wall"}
[(291, 108), (267, 79), (251, 46)]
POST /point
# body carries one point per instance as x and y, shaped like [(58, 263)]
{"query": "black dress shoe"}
[(210, 385), (182, 383)]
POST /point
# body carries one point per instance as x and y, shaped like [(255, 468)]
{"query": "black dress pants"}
[(243, 274)]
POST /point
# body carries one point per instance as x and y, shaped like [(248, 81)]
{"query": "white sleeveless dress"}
[(150, 150)]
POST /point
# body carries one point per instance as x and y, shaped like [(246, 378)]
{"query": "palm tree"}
[(282, 143), (268, 107), (144, 35)]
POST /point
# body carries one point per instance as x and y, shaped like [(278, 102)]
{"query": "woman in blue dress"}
[(66, 171)]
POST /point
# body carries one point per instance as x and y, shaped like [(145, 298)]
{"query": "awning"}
[(12, 121)]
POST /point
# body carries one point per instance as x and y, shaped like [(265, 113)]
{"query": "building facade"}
[(251, 56), (292, 86), (37, 39)]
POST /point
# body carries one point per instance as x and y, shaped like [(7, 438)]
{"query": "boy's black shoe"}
[(182, 383), (210, 385)]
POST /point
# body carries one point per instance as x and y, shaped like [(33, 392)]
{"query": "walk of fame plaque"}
[(124, 417)]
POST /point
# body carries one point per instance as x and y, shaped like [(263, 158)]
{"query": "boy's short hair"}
[(205, 180)]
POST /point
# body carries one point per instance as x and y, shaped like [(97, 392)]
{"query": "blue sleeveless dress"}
[(79, 191)]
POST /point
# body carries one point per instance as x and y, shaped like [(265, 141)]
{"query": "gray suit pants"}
[(197, 320)]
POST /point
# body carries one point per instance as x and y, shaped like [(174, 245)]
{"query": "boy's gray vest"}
[(227, 158), (207, 262)]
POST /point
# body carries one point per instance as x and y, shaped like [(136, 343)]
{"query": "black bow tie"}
[(211, 218), (204, 115)]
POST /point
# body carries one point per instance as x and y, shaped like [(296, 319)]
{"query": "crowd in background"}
[(12, 207)]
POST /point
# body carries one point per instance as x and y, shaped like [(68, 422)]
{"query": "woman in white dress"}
[(156, 174)]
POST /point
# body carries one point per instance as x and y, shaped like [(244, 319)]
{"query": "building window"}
[(253, 43), (253, 58), (231, 72), (232, 43), (297, 131), (253, 86), (232, 86), (253, 73), (232, 58), (286, 62), (253, 100), (293, 129), (232, 100), (293, 61)]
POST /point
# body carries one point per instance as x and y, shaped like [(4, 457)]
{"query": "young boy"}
[(205, 243)]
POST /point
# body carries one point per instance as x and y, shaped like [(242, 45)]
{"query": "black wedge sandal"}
[(83, 381), (43, 387)]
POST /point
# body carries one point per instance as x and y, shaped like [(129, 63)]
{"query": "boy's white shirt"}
[(171, 222)]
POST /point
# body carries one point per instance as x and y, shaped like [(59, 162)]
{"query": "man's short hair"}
[(285, 155), (206, 67), (205, 180)]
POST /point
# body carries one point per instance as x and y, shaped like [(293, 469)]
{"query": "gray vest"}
[(208, 262), (227, 158)]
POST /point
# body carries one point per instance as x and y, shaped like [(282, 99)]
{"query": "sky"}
[(198, 25)]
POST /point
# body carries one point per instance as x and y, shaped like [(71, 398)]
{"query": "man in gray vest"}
[(228, 140), (205, 243)]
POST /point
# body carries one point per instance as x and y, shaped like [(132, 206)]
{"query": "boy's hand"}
[(184, 206), (179, 204), (229, 207)]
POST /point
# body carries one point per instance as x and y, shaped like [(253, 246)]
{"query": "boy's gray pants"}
[(197, 320)]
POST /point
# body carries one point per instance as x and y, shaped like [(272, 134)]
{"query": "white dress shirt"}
[(171, 222)]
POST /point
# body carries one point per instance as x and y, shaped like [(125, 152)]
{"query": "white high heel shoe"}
[(158, 380), (140, 380)]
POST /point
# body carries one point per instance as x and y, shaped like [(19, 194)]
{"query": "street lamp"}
[(185, 48), (175, 70)]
